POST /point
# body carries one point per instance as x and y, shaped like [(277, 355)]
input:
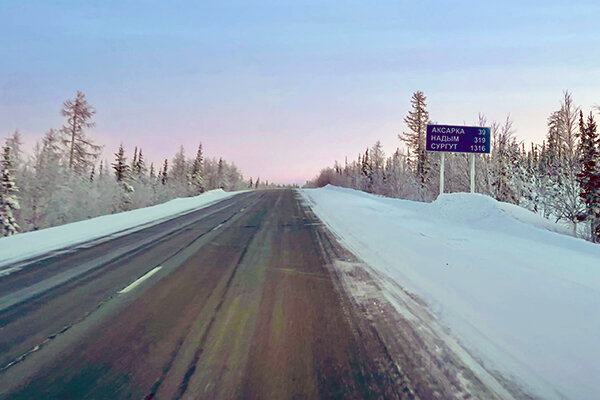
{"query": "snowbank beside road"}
[(33, 244), (519, 296)]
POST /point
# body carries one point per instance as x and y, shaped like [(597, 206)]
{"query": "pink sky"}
[(285, 90)]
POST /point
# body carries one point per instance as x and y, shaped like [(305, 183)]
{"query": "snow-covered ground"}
[(522, 297), (33, 244)]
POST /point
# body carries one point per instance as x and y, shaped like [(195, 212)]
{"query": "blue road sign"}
[(458, 139)]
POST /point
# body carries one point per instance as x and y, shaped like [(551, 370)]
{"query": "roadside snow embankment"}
[(33, 244), (522, 298)]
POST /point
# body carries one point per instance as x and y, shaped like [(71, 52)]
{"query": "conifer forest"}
[(558, 178), (65, 179)]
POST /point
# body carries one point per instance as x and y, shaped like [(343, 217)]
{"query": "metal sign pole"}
[(472, 172), (442, 174)]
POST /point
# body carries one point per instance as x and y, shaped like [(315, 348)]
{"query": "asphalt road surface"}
[(237, 300)]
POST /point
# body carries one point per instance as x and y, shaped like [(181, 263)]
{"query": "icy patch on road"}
[(28, 245), (520, 297)]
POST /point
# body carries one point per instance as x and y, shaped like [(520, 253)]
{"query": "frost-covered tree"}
[(589, 177), (178, 171), (123, 178), (140, 166), (15, 142), (378, 175), (544, 178), (164, 177), (568, 131), (8, 194), (417, 120), (220, 175), (46, 176), (559, 165), (506, 158), (134, 161), (120, 165), (553, 175), (197, 172), (554, 151), (399, 178), (81, 152), (367, 172), (143, 191), (179, 177), (234, 180), (60, 182)]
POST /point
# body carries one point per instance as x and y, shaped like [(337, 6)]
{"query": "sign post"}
[(472, 157), (458, 139), (442, 168)]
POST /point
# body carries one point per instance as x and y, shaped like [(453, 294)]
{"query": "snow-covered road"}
[(520, 296)]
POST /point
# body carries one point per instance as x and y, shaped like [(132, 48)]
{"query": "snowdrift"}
[(517, 292), (33, 244)]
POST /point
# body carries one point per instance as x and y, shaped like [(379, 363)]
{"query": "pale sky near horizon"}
[(285, 88)]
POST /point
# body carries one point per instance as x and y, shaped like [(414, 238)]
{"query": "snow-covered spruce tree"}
[(366, 179), (589, 177), (140, 169), (8, 195), (164, 177), (144, 187), (524, 175), (123, 176), (19, 168), (80, 151), (417, 120), (537, 199), (197, 173), (134, 161), (220, 175), (158, 187), (120, 165)]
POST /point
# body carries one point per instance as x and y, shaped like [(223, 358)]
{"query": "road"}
[(237, 300)]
